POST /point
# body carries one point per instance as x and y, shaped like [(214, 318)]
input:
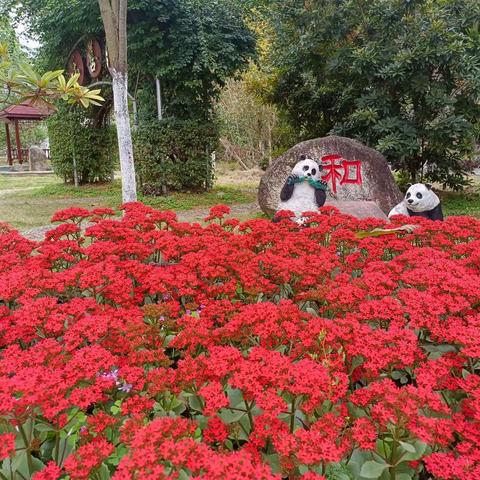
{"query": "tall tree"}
[(404, 77), (114, 16), (192, 46)]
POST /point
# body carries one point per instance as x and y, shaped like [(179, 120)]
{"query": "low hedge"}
[(72, 132), (175, 155)]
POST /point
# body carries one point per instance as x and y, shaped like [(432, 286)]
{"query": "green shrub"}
[(175, 155), (95, 148), (403, 180)]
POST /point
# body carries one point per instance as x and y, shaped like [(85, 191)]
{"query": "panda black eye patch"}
[(305, 168), (314, 171), (408, 195), (419, 195)]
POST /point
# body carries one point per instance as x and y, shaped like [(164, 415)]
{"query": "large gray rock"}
[(358, 209), (366, 178), (37, 160)]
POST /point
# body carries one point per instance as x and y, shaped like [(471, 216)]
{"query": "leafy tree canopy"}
[(401, 75), (9, 39), (193, 46)]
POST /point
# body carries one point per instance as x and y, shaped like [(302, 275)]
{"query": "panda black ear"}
[(409, 185), (303, 157), (429, 187)]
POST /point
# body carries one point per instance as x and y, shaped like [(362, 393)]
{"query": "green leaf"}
[(372, 469), (183, 475), (65, 448), (103, 472), (72, 80), (119, 453), (28, 71), (230, 416), (420, 448), (195, 403), (235, 396), (384, 448), (408, 447), (274, 461), (49, 76), (116, 407), (42, 427), (338, 471), (373, 233), (20, 464)]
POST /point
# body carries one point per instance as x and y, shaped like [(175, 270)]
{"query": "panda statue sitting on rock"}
[(420, 201), (304, 190)]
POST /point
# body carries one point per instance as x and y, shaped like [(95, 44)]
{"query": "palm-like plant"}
[(22, 83)]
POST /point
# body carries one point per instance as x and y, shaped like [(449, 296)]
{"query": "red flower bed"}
[(146, 348)]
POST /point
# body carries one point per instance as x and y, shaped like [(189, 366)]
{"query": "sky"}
[(25, 40)]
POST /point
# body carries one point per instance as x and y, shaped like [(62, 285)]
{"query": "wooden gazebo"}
[(13, 115)]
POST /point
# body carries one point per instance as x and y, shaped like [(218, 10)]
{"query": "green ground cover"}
[(111, 192), (27, 202), (462, 203)]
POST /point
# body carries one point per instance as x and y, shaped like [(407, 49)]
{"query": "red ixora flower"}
[(7, 445), (75, 214), (50, 472), (217, 212), (149, 348)]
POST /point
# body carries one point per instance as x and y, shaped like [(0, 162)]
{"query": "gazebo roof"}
[(23, 111)]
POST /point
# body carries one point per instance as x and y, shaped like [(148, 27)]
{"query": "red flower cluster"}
[(147, 348)]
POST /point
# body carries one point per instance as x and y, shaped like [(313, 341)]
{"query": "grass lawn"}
[(462, 203), (27, 202)]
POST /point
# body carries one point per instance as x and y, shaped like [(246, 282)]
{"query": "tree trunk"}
[(114, 16), (413, 173), (124, 135)]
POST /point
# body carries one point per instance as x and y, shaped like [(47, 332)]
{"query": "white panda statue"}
[(304, 190), (420, 201)]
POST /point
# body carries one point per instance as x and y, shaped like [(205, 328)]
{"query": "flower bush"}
[(147, 348)]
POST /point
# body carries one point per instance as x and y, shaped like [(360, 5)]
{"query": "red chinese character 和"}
[(339, 169)]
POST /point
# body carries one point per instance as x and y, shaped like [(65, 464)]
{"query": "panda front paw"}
[(317, 184), (292, 179)]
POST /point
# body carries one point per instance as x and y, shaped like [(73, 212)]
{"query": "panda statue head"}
[(421, 198), (307, 168)]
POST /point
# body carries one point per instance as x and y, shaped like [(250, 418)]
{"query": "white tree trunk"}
[(159, 98), (124, 136)]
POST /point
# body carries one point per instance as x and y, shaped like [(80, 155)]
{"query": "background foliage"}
[(72, 132), (403, 77), (175, 155), (253, 130), (247, 125), (30, 136), (192, 46)]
